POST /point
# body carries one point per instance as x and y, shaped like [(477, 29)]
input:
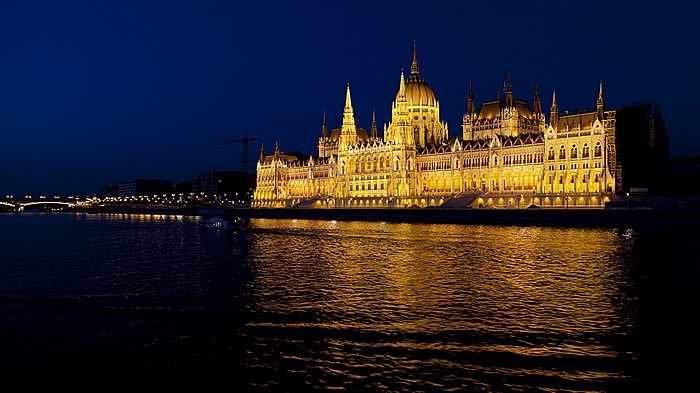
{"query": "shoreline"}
[(588, 218)]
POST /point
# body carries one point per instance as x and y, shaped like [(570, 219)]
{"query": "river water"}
[(154, 303)]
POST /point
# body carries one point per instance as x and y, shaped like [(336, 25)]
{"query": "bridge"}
[(10, 204)]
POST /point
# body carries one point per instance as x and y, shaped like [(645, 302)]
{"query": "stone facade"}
[(506, 157)]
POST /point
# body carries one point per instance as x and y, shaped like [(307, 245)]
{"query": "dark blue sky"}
[(94, 93)]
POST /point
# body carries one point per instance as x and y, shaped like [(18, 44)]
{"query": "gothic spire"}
[(414, 65), (324, 127), (402, 86), (509, 92), (470, 101), (536, 106), (348, 132), (554, 111), (600, 107), (348, 102), (373, 132)]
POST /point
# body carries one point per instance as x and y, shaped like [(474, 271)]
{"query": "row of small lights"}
[(71, 197), (155, 197)]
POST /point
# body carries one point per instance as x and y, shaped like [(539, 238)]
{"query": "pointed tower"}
[(469, 117), (509, 93), (509, 113), (324, 127), (470, 101), (536, 105), (348, 132), (400, 135), (537, 109), (423, 106), (414, 65), (400, 130), (600, 106), (554, 112), (373, 132)]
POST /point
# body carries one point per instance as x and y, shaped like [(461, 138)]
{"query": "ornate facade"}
[(508, 156)]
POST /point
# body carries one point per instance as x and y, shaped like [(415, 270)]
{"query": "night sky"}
[(94, 93)]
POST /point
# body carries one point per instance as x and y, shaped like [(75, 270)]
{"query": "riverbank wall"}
[(590, 218), (599, 218)]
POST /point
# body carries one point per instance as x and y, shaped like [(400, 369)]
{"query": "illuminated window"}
[(598, 150), (562, 153), (574, 151), (585, 150)]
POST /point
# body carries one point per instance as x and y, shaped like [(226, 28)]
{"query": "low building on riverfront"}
[(145, 187), (507, 156)]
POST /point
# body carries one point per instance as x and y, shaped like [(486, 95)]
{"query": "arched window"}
[(574, 151), (551, 153), (562, 153), (585, 150), (598, 150)]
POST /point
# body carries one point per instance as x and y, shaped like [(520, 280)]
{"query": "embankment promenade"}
[(596, 218), (577, 217)]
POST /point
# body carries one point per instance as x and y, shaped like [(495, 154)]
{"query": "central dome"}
[(417, 90)]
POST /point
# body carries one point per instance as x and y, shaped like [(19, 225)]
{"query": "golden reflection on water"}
[(454, 301), (438, 277)]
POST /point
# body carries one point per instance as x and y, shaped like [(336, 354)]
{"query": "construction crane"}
[(244, 141)]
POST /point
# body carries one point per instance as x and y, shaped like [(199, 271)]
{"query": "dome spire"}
[(414, 65)]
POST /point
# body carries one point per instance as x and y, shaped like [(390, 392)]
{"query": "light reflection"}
[(411, 277), (450, 294)]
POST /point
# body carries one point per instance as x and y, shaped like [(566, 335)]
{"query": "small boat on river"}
[(222, 224)]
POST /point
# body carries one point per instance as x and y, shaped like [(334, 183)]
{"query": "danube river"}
[(92, 302)]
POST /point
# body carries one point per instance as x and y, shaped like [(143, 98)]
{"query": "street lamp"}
[(628, 200)]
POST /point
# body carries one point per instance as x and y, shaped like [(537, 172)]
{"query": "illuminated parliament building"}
[(507, 155)]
